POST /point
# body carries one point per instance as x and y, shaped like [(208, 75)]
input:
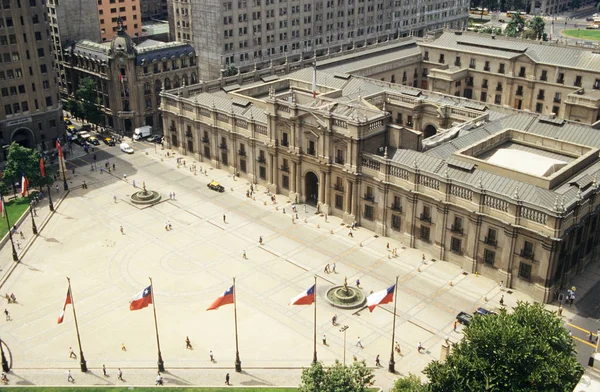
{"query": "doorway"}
[(311, 188)]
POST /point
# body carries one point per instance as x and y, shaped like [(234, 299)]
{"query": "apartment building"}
[(552, 80), (249, 33), (124, 14), (30, 113)]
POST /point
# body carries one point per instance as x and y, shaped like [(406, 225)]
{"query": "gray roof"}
[(502, 47)]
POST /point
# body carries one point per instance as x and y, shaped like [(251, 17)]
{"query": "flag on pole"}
[(42, 168), (61, 317), (225, 299), (307, 297), (2, 205), (381, 297), (24, 184), (142, 299), (314, 81), (59, 148)]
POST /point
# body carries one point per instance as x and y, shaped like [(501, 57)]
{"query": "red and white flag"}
[(59, 148), (24, 185), (307, 297), (67, 301), (225, 299), (42, 167), (314, 81), (2, 204), (142, 299), (381, 297)]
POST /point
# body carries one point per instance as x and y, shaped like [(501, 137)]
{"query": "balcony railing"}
[(540, 96), (339, 160), (544, 78), (526, 254), (396, 207), (486, 68), (188, 134), (261, 160), (425, 218), (456, 229), (485, 85), (223, 146), (556, 99), (498, 88), (491, 241), (370, 198), (204, 140), (285, 169), (285, 143), (172, 129), (310, 151), (560, 80), (338, 187), (242, 153)]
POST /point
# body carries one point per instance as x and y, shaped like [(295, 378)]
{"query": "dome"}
[(121, 42)]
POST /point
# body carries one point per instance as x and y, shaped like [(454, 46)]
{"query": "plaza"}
[(194, 263)]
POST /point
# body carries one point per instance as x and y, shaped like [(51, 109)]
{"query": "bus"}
[(509, 14), (479, 11)]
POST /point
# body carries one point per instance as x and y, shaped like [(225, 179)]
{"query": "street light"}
[(33, 226), (51, 205), (343, 329)]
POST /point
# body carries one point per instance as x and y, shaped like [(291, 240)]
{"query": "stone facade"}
[(30, 113), (129, 78), (357, 151), (250, 33)]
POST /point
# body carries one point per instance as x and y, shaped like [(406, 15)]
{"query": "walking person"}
[(159, 379), (420, 347), (57, 188), (122, 232), (188, 343), (120, 374), (227, 379), (333, 269), (72, 353), (377, 363), (358, 343), (115, 198), (21, 234), (244, 255), (7, 314), (104, 371), (69, 377), (324, 340), (123, 348), (454, 326), (358, 283), (326, 270), (224, 219), (334, 320), (502, 300), (260, 240), (212, 356)]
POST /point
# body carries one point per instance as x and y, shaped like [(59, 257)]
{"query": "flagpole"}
[(315, 324), (392, 365), (50, 205), (33, 226), (238, 363), (161, 363), (82, 361), (12, 243)]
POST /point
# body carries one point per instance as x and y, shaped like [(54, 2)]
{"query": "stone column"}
[(326, 192), (347, 196), (293, 178), (270, 170), (322, 176)]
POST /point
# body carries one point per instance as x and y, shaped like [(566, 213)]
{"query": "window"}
[(486, 67), (456, 245), (285, 182), (7, 109), (541, 94), (339, 202), (38, 36), (557, 97), (561, 78), (555, 110), (457, 61), (21, 89), (597, 84), (472, 63), (369, 212), (25, 106), (578, 81), (442, 60), (40, 52), (522, 72), (457, 227), (501, 68), (524, 270), (544, 76), (43, 68), (396, 222), (499, 86), (539, 107), (527, 250), (284, 139), (483, 96), (425, 233), (48, 101), (498, 99), (426, 214), (262, 172), (488, 257)]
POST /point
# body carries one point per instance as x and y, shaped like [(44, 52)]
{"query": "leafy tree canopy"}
[(21, 159), (231, 70), (338, 378), (412, 383), (87, 105), (536, 25), (516, 26), (528, 350)]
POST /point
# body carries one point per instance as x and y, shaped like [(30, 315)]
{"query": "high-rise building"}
[(111, 12), (249, 32), (30, 113)]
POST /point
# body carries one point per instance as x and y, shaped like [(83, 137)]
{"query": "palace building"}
[(503, 192)]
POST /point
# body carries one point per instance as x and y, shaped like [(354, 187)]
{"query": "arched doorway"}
[(24, 137), (429, 131), (311, 188)]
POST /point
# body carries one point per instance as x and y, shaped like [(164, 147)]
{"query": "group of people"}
[(12, 299)]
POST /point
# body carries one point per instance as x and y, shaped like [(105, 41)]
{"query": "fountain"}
[(145, 196), (346, 297)]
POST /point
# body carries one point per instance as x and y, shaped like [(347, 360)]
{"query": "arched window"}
[(167, 84), (176, 82), (194, 78)]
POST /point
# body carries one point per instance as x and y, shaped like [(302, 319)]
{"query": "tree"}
[(24, 160), (338, 378), (528, 350), (412, 383), (537, 25), (516, 26), (231, 70), (88, 100)]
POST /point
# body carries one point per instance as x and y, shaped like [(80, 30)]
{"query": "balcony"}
[(485, 85), (261, 160), (285, 169), (426, 57), (370, 198), (242, 153), (544, 78), (172, 129), (540, 96), (498, 88), (577, 83), (521, 74), (188, 134), (457, 63), (486, 68), (425, 218), (285, 143), (205, 140), (472, 66), (396, 207), (338, 187), (223, 146), (556, 99), (491, 241), (339, 160), (310, 151), (527, 254), (441, 61), (501, 70), (456, 229), (560, 80)]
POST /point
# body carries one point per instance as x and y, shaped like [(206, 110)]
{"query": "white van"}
[(126, 148)]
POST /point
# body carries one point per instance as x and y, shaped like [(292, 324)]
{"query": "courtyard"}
[(194, 263)]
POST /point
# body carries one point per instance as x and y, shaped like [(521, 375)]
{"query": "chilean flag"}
[(24, 184), (142, 299), (42, 167), (2, 204), (225, 299), (381, 297), (67, 301), (59, 148), (307, 297)]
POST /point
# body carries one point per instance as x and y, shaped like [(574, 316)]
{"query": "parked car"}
[(485, 312), (67, 121), (93, 140), (71, 129), (109, 141), (464, 318), (155, 139), (126, 148), (215, 186)]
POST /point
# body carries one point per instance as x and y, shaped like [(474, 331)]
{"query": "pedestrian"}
[(21, 234), (13, 298), (170, 225), (120, 374), (377, 363), (224, 219), (326, 270), (125, 176), (170, 196), (212, 356), (560, 310), (173, 195), (104, 371), (159, 379), (260, 240), (350, 234), (113, 167), (334, 320), (72, 353), (101, 170), (502, 300), (420, 347), (122, 230), (333, 269), (423, 260), (358, 343), (18, 245), (388, 246), (69, 377), (454, 326), (115, 198), (591, 337), (324, 340), (358, 283), (227, 379), (123, 348), (244, 255), (188, 343), (57, 188)]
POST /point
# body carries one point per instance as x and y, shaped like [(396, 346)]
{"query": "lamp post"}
[(344, 329), (5, 367), (51, 205), (33, 226), (10, 233)]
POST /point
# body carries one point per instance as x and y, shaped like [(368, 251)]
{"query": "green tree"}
[(528, 350), (516, 26), (537, 25), (73, 107), (338, 378), (412, 383), (24, 160), (88, 100), (231, 70)]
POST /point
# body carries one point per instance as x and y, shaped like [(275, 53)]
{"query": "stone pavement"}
[(194, 263)]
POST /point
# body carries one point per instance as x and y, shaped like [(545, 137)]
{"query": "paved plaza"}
[(192, 264)]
